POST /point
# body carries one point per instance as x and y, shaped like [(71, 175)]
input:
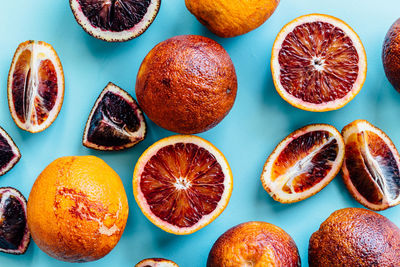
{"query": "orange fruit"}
[(257, 244), (187, 84), (303, 163), (182, 183), (355, 237), (318, 63), (156, 262), (35, 86), (391, 55), (229, 18), (371, 168), (77, 209)]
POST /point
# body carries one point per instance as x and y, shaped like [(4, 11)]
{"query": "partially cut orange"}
[(35, 86), (303, 163), (318, 63), (156, 262), (371, 169), (182, 183)]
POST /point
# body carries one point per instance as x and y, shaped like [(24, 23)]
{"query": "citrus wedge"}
[(9, 152), (116, 122), (318, 63), (371, 169), (35, 86), (303, 163), (182, 183)]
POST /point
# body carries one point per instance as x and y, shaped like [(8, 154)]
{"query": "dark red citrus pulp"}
[(182, 183), (318, 62), (313, 153)]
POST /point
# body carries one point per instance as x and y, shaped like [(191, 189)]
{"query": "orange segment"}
[(303, 163), (182, 183), (35, 86), (318, 63), (371, 166)]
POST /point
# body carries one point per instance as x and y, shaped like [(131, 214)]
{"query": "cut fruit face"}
[(182, 183), (116, 122), (371, 169), (115, 20), (9, 152), (156, 262), (303, 163), (14, 233), (318, 63), (35, 86)]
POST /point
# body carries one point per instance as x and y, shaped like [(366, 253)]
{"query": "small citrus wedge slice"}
[(115, 20), (371, 168), (9, 152), (35, 86), (14, 233), (318, 63), (116, 122), (303, 163), (156, 262), (182, 183)]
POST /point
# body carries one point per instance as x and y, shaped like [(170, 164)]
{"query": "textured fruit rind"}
[(187, 84), (391, 55), (77, 209), (230, 18), (256, 244), (355, 237)]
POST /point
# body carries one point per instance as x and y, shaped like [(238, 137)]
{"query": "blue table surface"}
[(256, 124)]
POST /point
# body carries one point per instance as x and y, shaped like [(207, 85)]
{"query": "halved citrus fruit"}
[(115, 20), (115, 122), (35, 86), (318, 63), (371, 168), (303, 163), (156, 262), (9, 152), (182, 183)]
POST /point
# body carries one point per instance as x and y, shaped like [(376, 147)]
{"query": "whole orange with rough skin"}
[(229, 18), (77, 209), (255, 244), (355, 237), (187, 84)]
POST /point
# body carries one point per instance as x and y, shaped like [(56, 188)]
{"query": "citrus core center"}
[(182, 183)]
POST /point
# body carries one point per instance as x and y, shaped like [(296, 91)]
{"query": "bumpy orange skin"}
[(355, 237), (187, 84), (229, 18), (77, 209), (391, 55), (255, 244)]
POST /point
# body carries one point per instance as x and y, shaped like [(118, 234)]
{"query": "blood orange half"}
[(318, 63), (371, 168), (156, 262), (303, 163), (35, 86), (182, 183), (9, 152)]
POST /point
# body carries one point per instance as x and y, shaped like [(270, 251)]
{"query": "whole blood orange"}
[(256, 244), (318, 63), (182, 183), (391, 55), (303, 163), (35, 86), (77, 209), (355, 237), (229, 18), (371, 167), (187, 84)]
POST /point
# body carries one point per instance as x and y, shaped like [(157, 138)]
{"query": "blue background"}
[(256, 124)]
